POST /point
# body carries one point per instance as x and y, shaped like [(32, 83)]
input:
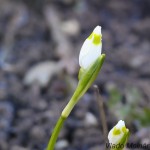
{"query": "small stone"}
[(79, 134), (25, 124), (6, 110), (68, 2), (24, 113), (40, 105), (38, 132), (71, 27), (137, 61), (6, 116), (15, 147), (3, 89), (3, 124), (145, 141), (80, 113), (97, 147), (143, 133), (93, 136), (61, 144), (110, 86), (3, 145), (90, 119)]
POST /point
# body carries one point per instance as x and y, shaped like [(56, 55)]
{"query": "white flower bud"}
[(117, 133), (91, 48)]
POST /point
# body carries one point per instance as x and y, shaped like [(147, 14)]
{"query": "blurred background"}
[(40, 41)]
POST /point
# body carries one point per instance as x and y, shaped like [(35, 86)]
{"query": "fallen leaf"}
[(42, 73)]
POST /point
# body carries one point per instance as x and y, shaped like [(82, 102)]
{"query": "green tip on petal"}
[(118, 135), (116, 131), (97, 39)]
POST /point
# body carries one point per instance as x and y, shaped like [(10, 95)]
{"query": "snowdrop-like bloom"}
[(117, 133), (91, 61), (91, 48)]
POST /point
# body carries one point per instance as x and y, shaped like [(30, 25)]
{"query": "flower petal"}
[(91, 48), (117, 132)]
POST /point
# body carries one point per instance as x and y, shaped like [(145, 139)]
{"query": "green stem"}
[(86, 79), (55, 133)]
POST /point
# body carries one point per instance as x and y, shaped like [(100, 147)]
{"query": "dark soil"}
[(30, 35)]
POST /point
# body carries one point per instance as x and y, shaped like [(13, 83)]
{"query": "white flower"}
[(117, 132), (91, 49)]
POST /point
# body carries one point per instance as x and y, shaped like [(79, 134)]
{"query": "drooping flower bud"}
[(118, 134), (91, 48)]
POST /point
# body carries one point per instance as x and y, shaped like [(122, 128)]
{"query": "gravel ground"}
[(39, 47)]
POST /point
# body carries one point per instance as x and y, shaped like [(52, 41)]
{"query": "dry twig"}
[(102, 113), (64, 47)]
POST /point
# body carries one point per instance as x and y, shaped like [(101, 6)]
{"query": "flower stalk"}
[(86, 79), (91, 61)]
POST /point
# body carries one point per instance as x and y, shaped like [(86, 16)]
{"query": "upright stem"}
[(55, 133), (86, 79)]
